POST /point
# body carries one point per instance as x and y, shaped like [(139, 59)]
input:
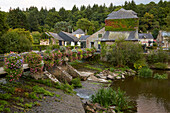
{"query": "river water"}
[(151, 95)]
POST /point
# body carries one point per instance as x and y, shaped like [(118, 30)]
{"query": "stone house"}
[(56, 39), (121, 24), (118, 24), (83, 40), (146, 39), (95, 39), (162, 39), (68, 38), (78, 33)]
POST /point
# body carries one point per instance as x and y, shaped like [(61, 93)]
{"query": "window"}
[(99, 35)]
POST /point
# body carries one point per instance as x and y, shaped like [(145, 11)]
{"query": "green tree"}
[(83, 24), (3, 25), (17, 19), (33, 20), (52, 18), (62, 26), (12, 41)]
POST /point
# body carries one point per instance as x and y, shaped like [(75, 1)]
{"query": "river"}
[(151, 95)]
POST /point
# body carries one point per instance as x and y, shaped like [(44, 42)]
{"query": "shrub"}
[(76, 82), (74, 55), (145, 72), (139, 64), (160, 65), (58, 57), (48, 59), (157, 76), (108, 97), (13, 66), (12, 41), (34, 61), (157, 56), (79, 54), (122, 53)]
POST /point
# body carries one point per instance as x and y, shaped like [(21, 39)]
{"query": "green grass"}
[(41, 90), (76, 82), (108, 97), (3, 102), (93, 68), (158, 76), (145, 72), (160, 65), (5, 96)]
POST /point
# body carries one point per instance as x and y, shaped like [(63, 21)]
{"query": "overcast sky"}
[(67, 4)]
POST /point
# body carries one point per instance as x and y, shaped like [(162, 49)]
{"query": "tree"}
[(52, 18), (111, 7), (3, 25), (147, 22), (63, 14), (83, 24), (17, 19), (74, 9), (12, 41), (33, 21), (62, 26), (24, 33)]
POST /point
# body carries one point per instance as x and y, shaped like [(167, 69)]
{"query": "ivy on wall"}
[(121, 24)]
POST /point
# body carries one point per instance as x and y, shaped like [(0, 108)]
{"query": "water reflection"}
[(151, 95)]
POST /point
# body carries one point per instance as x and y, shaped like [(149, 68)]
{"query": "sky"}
[(67, 4)]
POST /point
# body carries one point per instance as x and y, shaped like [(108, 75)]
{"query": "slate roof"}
[(84, 37), (68, 36), (112, 36), (122, 14), (145, 35), (164, 33), (78, 31), (54, 35)]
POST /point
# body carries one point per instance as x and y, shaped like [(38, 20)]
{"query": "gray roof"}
[(112, 35), (164, 33), (54, 35), (78, 31), (122, 14), (145, 35), (68, 36), (84, 37)]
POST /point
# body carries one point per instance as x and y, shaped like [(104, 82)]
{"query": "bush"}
[(34, 61), (157, 56), (58, 57), (139, 64), (13, 66), (157, 76), (12, 41), (76, 82), (108, 97), (122, 53), (48, 59), (160, 65), (145, 72)]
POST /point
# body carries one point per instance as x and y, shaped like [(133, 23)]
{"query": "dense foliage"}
[(108, 97), (145, 72), (13, 41), (13, 65), (151, 16), (122, 53), (121, 24), (158, 76), (157, 56), (34, 61)]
